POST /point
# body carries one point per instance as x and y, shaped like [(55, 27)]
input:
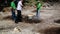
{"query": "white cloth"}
[(19, 6)]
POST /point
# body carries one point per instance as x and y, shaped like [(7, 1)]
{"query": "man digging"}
[(38, 8)]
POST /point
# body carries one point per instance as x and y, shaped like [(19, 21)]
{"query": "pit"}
[(57, 21), (55, 30)]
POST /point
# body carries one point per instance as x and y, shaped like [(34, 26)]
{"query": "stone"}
[(16, 29)]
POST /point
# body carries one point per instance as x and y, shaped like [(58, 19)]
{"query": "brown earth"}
[(48, 24)]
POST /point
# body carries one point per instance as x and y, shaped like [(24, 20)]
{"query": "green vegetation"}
[(31, 2)]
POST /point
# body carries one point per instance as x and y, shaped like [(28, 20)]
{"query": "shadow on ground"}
[(25, 19)]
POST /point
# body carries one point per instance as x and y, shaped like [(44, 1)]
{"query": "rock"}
[(16, 29)]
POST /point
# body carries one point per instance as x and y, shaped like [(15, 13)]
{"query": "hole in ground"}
[(52, 31), (24, 19), (27, 20), (57, 21)]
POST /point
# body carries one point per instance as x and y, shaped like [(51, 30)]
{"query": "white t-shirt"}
[(19, 6)]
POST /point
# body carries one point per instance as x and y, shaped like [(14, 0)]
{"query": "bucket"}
[(30, 16)]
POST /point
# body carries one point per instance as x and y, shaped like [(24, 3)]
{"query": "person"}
[(13, 7), (16, 2), (38, 5), (19, 9)]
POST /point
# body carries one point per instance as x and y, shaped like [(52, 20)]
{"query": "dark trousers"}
[(13, 14), (19, 16), (38, 14)]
